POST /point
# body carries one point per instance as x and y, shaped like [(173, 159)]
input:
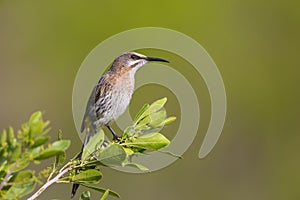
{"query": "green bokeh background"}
[(255, 45)]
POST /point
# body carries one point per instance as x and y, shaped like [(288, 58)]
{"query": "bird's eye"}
[(134, 57)]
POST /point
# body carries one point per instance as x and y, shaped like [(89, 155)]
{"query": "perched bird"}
[(111, 95)]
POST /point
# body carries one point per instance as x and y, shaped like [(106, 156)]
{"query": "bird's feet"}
[(116, 138)]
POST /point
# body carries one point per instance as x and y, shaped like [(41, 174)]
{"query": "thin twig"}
[(8, 174), (52, 173), (50, 182), (62, 181), (68, 164), (4, 182)]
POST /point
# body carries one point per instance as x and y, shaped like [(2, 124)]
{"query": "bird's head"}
[(132, 61)]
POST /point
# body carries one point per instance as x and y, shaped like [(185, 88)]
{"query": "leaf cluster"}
[(17, 150)]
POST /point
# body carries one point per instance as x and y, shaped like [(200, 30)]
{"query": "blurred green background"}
[(255, 44)]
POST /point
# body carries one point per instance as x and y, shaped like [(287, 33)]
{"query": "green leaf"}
[(144, 121), (95, 142), (18, 191), (16, 153), (3, 165), (45, 131), (157, 118), (167, 121), (154, 107), (2, 154), (86, 195), (48, 153), (102, 190), (22, 184), (105, 195), (35, 124), (2, 174), (151, 141), (3, 138), (56, 148), (157, 105), (88, 176), (61, 145), (138, 166), (35, 117), (40, 141), (112, 155), (142, 110), (11, 137), (21, 177)]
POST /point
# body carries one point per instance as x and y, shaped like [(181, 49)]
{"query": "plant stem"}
[(50, 182), (4, 182), (9, 172)]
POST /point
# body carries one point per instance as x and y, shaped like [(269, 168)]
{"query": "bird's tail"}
[(76, 185), (74, 189), (88, 135)]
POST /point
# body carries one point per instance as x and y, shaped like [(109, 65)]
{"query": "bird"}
[(111, 96)]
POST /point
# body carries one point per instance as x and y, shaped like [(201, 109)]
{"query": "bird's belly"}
[(119, 101)]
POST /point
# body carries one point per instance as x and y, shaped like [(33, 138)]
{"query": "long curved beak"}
[(156, 59)]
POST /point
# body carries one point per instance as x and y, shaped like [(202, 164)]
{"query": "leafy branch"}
[(31, 145)]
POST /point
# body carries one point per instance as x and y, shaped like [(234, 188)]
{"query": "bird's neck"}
[(122, 76), (121, 71)]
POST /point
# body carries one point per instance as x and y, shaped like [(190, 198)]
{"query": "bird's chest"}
[(121, 95)]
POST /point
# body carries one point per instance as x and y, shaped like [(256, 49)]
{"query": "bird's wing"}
[(90, 114), (96, 105)]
